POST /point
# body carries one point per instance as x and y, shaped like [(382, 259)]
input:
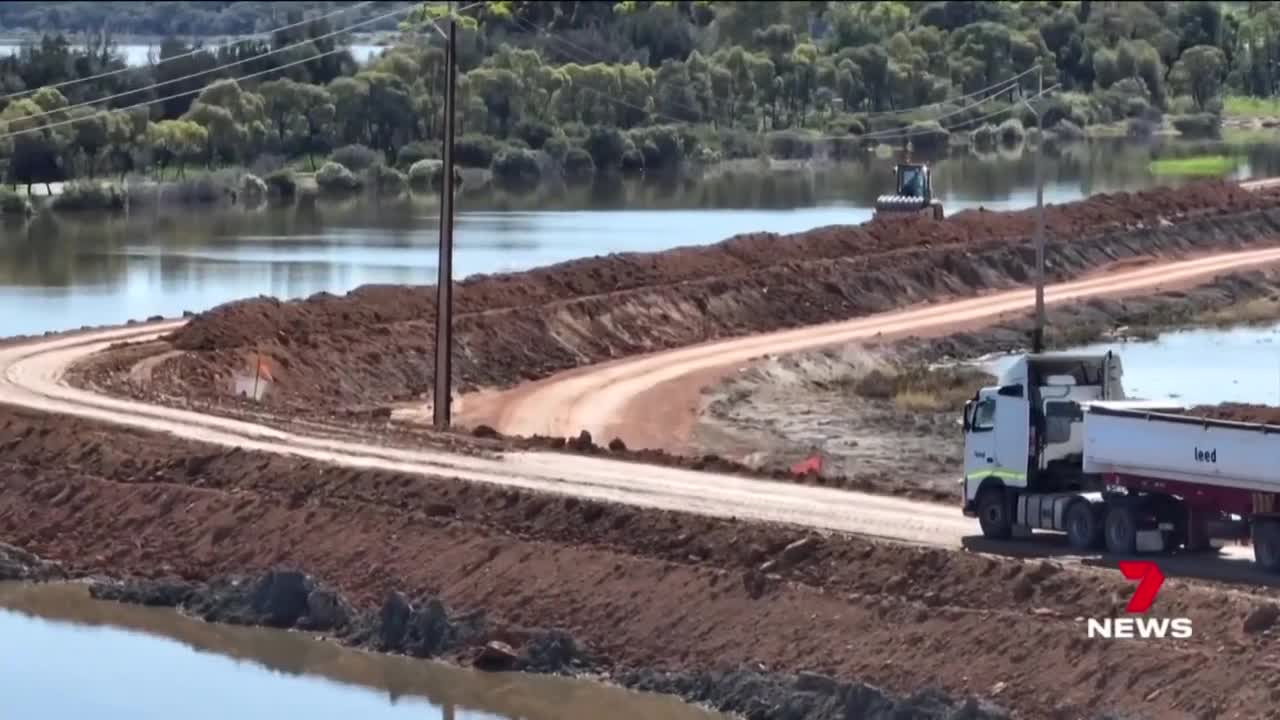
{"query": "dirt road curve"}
[(32, 373), (597, 398)]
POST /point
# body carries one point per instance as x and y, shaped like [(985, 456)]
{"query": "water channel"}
[(1239, 364), (63, 655), (62, 272)]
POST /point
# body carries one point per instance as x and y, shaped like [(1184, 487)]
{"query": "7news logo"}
[(1149, 580)]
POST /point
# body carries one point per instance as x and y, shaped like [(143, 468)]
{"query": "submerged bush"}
[(429, 174), (335, 177), (632, 162), (984, 138), (1201, 125), (1011, 132), (252, 189), (11, 203), (515, 168), (534, 132), (473, 150), (928, 134), (282, 184), (578, 166), (386, 180), (413, 152), (790, 145), (356, 157), (88, 195)]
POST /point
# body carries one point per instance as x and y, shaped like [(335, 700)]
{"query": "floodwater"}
[(65, 272), (136, 54), (63, 655), (1239, 364)]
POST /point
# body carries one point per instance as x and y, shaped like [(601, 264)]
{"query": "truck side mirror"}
[(968, 415), (1010, 391)]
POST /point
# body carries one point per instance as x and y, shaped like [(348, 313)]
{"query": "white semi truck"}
[(1057, 446)]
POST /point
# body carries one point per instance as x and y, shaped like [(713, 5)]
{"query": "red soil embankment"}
[(1239, 412), (374, 345), (639, 589)]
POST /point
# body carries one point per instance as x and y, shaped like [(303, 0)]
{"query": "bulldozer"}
[(913, 196)]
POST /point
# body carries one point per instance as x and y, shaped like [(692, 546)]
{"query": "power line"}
[(909, 132), (223, 66), (215, 48), (72, 121), (988, 89), (166, 98), (995, 89), (940, 118)]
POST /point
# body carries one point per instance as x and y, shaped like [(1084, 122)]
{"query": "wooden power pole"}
[(444, 281)]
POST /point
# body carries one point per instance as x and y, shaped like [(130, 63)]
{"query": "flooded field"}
[(64, 655)]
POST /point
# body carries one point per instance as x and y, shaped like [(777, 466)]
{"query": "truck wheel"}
[(1084, 532), (993, 514), (1121, 530), (1266, 544)]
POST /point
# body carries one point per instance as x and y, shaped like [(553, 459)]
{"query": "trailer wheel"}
[(993, 514), (1266, 544), (1121, 530), (1084, 531)]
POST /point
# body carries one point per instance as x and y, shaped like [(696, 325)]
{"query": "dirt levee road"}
[(600, 400), (645, 590), (32, 372), (329, 355)]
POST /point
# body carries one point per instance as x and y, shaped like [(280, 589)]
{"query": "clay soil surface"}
[(333, 356), (654, 590), (1239, 412), (783, 409)]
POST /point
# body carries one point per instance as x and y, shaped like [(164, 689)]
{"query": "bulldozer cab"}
[(913, 181)]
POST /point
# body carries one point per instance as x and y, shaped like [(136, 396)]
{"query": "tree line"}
[(616, 86)]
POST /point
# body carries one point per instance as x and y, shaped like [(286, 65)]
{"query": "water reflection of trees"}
[(64, 251), (506, 695)]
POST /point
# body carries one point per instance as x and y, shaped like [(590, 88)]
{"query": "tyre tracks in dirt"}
[(32, 376)]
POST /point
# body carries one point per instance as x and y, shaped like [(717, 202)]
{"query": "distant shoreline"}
[(32, 37)]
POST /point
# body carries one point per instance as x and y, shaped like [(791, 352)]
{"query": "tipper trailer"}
[(1057, 446)]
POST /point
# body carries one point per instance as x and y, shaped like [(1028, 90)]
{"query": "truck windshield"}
[(911, 183), (984, 415)]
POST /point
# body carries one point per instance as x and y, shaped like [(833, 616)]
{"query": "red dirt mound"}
[(1239, 412), (374, 346), (641, 589), (242, 323)]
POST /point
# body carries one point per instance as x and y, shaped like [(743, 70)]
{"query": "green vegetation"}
[(387, 180), (922, 388), (282, 184), (334, 177), (578, 90), (13, 204), (1251, 107), (1199, 165), (90, 196)]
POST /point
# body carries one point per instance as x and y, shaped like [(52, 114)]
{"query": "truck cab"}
[(1057, 446), (1025, 433)]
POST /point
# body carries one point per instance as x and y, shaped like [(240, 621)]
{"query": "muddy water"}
[(64, 272), (1232, 365), (63, 655)]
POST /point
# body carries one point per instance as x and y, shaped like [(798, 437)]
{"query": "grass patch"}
[(1250, 107), (1259, 311), (1194, 166), (1249, 136), (921, 388)]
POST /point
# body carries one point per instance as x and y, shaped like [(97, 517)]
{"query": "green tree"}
[(1199, 72), (177, 142), (234, 120)]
